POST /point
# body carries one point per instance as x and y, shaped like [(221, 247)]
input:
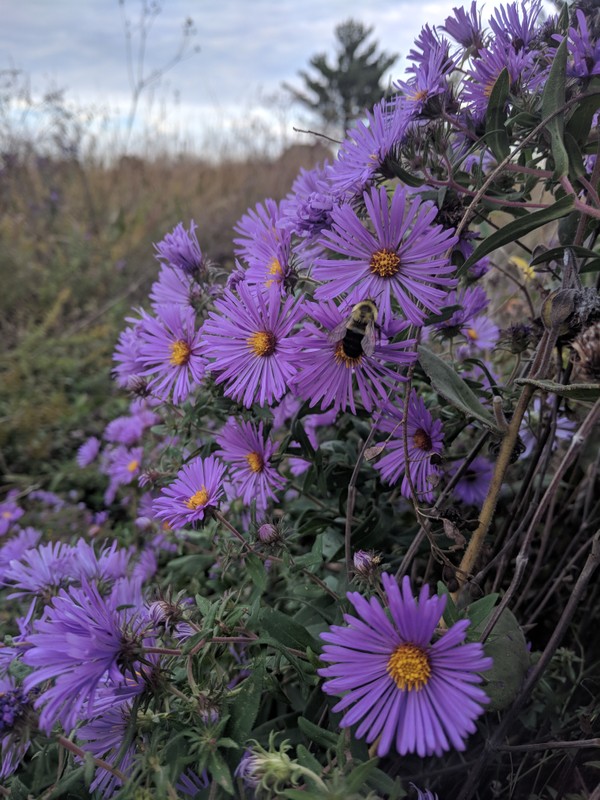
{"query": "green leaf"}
[(256, 570), (392, 166), (495, 131), (220, 772), (591, 266), (573, 391), (451, 387), (519, 227), (360, 775), (582, 116), (557, 254), (451, 613), (576, 168), (307, 760), (286, 630), (318, 735), (389, 787), (478, 611), (508, 649), (246, 703), (553, 99)]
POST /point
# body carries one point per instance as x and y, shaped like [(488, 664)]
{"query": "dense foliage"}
[(350, 522)]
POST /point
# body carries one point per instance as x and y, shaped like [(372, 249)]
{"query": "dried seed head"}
[(586, 355)]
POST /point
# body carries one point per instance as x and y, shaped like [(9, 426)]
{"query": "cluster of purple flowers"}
[(281, 345)]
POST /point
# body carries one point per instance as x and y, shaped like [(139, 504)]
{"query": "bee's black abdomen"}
[(352, 344)]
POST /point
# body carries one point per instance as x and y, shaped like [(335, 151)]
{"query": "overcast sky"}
[(247, 48)]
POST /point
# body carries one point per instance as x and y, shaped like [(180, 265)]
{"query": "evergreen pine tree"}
[(338, 94)]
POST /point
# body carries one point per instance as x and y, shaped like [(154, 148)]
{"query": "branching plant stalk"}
[(99, 762), (590, 566), (539, 368)]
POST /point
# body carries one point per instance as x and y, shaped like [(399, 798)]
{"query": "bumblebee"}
[(357, 332)]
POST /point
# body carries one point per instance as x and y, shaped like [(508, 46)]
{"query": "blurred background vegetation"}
[(79, 214), (76, 234)]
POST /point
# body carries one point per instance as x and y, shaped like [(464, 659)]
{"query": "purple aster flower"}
[(366, 563), (180, 250), (127, 371), (15, 713), (472, 300), (480, 334), (311, 422), (171, 351), (40, 570), (465, 27), (306, 211), (536, 418), (103, 736), (48, 498), (250, 339), (174, 287), (198, 487), (327, 375), (427, 82), (409, 693), (125, 430), (190, 784), (83, 640), (236, 277), (514, 28), (426, 42), (88, 452), (473, 486), (264, 245), (584, 52), (522, 71), (404, 257), (248, 450), (366, 147), (425, 437), (10, 512), (122, 465), (424, 795), (109, 564), (15, 548)]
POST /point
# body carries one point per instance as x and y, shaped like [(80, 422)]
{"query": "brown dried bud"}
[(557, 310), (586, 355)]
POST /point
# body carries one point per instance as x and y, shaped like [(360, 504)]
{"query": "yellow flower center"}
[(133, 465), (409, 667), (385, 263), (472, 334), (342, 358), (6, 514), (420, 94), (180, 353), (255, 462), (274, 268), (422, 440), (198, 500), (262, 343)]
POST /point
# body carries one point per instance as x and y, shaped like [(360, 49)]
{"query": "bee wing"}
[(338, 333), (368, 340)]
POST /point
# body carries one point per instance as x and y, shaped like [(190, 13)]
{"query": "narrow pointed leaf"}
[(553, 99), (519, 227), (495, 132), (451, 386)]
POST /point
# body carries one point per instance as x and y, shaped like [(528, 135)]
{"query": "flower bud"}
[(269, 533), (557, 310), (366, 563)]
